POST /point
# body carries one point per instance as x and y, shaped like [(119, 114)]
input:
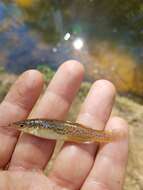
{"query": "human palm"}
[(78, 166)]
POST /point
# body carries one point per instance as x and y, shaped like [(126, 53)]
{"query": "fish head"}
[(20, 125)]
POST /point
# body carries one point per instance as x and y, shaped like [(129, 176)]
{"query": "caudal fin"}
[(108, 136)]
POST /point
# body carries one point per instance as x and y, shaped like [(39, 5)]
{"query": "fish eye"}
[(21, 125)]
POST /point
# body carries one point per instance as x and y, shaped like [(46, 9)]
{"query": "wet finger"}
[(108, 171), (75, 160), (54, 104), (16, 106)]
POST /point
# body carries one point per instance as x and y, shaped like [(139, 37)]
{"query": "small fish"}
[(64, 130)]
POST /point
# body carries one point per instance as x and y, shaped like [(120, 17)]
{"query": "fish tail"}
[(108, 136)]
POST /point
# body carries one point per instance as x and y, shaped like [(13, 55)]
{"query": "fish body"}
[(62, 130)]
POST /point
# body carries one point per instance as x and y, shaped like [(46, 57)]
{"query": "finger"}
[(75, 161), (54, 104), (25, 180), (109, 167), (16, 106)]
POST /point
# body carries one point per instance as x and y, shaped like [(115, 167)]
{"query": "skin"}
[(78, 166)]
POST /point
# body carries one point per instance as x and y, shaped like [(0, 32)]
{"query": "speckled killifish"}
[(64, 130)]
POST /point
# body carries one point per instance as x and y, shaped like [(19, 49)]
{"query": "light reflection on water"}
[(44, 32)]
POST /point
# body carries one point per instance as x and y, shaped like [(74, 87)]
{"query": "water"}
[(105, 36)]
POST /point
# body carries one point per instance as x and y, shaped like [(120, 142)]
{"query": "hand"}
[(78, 166)]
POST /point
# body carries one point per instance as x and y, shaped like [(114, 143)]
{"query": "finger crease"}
[(15, 106), (62, 181), (97, 184)]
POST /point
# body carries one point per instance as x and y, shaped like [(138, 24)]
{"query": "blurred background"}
[(106, 36)]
